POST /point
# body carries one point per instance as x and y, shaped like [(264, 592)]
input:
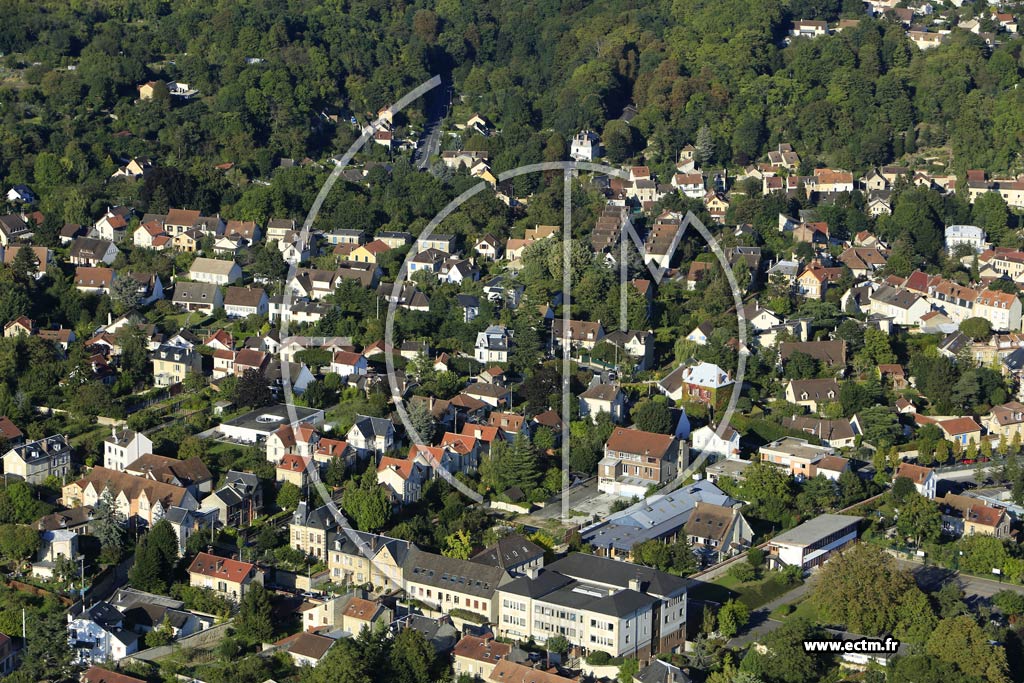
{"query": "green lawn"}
[(803, 608), (752, 593), (99, 431)]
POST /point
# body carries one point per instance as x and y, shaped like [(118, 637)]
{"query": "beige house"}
[(293, 469), (36, 460), (229, 578), (476, 656), (797, 456), (361, 613), (369, 252), (138, 499), (446, 583), (812, 392), (967, 516), (171, 364), (1006, 420), (382, 569)]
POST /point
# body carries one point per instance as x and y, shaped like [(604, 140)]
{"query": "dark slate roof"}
[(511, 551), (1014, 360), (607, 571), (463, 576), (315, 517), (661, 672), (545, 583), (372, 426), (622, 603)]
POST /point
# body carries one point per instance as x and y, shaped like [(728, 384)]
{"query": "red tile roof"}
[(637, 441), (96, 674), (225, 568), (293, 463), (404, 467)]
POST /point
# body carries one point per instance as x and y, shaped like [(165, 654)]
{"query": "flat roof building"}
[(814, 541)]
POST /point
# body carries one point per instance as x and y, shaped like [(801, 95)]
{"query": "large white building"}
[(970, 235), (598, 604), (259, 424), (814, 541)]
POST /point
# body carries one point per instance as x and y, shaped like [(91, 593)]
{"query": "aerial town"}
[(636, 356)]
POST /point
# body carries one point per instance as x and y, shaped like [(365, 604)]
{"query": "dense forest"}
[(282, 79)]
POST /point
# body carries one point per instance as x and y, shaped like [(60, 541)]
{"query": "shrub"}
[(743, 572)]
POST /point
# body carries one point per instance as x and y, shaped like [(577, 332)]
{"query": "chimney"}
[(634, 585)]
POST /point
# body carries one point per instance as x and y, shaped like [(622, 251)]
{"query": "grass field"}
[(803, 608), (752, 593)]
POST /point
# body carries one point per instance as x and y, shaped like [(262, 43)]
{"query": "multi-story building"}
[(360, 558), (597, 604), (171, 364), (446, 583), (141, 501), (371, 435), (798, 457), (124, 447), (36, 460), (492, 345), (635, 460), (238, 501)]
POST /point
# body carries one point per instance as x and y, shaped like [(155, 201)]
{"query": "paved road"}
[(931, 578), (429, 143), (760, 624)]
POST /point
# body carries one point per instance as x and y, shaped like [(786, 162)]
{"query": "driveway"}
[(584, 498)]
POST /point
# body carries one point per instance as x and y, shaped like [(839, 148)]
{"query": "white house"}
[(347, 363), (99, 634), (603, 398), (20, 194), (241, 302), (690, 184), (586, 146), (214, 271), (371, 435), (707, 441), (924, 478), (124, 447), (492, 345), (971, 235)]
